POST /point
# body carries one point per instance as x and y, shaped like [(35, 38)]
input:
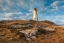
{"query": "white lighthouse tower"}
[(35, 18)]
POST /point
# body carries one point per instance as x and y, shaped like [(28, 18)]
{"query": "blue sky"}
[(52, 10)]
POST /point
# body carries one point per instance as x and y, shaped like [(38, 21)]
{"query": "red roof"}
[(35, 8)]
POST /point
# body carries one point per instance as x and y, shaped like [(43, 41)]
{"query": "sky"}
[(52, 10)]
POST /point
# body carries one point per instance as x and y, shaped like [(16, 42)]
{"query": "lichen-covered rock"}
[(49, 29), (33, 37), (29, 39), (29, 33)]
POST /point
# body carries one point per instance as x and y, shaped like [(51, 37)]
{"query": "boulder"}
[(29, 32)]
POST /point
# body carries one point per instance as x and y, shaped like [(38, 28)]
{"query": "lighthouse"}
[(35, 18)]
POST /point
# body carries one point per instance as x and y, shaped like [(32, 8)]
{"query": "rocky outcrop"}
[(29, 33), (32, 33)]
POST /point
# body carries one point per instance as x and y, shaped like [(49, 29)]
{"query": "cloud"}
[(23, 9), (5, 4), (59, 22), (57, 4), (15, 15), (9, 2), (60, 17), (23, 3), (20, 5), (0, 14)]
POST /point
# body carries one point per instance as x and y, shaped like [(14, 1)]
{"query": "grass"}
[(2, 41), (13, 36)]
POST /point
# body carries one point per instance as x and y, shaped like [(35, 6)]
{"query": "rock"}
[(23, 25), (48, 29), (29, 39), (25, 32), (33, 37), (29, 32), (45, 28), (33, 32)]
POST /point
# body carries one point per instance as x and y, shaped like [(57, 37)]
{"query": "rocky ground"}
[(28, 31)]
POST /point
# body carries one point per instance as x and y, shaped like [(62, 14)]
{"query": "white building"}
[(35, 18)]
